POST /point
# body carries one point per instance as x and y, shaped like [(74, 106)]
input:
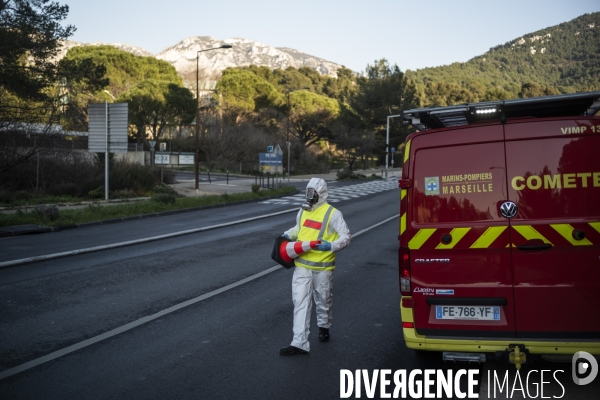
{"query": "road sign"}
[(186, 159), (107, 132), (270, 162), (108, 126), (152, 143), (163, 146), (269, 149), (393, 149), (161, 158), (277, 150)]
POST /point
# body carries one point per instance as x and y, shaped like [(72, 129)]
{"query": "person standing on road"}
[(313, 275)]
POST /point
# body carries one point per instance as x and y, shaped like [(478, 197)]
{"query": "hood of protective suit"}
[(321, 187)]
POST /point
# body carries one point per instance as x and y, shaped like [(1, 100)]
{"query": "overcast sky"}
[(410, 33)]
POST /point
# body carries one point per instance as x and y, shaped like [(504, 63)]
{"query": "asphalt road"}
[(224, 344)]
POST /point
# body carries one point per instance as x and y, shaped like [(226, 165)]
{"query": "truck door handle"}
[(534, 244), (528, 247)]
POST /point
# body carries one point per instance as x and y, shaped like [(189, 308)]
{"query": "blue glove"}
[(324, 246), (286, 236)]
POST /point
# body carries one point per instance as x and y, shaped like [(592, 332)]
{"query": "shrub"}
[(347, 173), (344, 173), (64, 188), (22, 195), (6, 197), (168, 176), (158, 189), (255, 188), (50, 212), (163, 198), (96, 193), (53, 171), (125, 175), (122, 194)]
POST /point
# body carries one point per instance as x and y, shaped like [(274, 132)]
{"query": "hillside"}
[(565, 57)]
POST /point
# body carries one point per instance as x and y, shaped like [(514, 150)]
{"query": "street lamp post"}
[(197, 157), (287, 137), (110, 94), (387, 142)]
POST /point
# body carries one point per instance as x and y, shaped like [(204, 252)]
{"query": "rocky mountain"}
[(243, 52)]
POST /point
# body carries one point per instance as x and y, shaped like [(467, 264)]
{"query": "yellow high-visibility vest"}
[(313, 226)]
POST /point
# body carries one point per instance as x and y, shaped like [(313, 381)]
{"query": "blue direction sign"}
[(270, 161)]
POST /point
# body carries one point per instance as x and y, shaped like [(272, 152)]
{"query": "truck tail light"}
[(408, 325), (404, 268)]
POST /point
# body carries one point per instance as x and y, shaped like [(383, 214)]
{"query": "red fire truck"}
[(500, 229)]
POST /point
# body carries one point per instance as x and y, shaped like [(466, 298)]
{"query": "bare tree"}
[(230, 139), (353, 143)]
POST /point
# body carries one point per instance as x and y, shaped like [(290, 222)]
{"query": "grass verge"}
[(97, 212), (31, 200)]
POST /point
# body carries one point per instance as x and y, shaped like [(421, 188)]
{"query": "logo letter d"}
[(581, 367)]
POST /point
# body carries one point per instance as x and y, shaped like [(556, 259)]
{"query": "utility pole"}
[(387, 142)]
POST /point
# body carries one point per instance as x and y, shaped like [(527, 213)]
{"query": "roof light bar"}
[(486, 110), (561, 105)]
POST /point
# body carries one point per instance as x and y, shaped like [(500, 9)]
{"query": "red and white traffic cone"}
[(291, 250)]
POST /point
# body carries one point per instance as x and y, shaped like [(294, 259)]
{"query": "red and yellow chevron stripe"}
[(500, 236)]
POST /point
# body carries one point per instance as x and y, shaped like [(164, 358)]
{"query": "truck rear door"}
[(461, 276), (553, 170)]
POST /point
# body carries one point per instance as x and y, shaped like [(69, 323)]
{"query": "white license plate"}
[(477, 313)]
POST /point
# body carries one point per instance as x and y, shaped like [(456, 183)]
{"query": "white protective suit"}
[(308, 284)]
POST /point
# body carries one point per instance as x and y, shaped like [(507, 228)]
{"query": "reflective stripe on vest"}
[(310, 221), (316, 264)]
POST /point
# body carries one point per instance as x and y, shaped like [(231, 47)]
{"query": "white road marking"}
[(342, 193)]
